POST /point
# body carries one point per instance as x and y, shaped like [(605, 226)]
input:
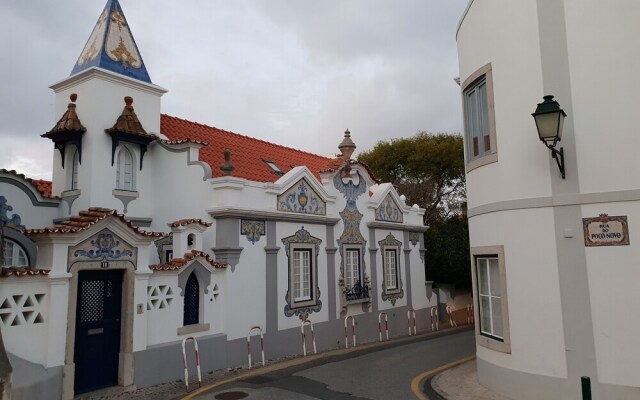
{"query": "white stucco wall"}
[(31, 216), (512, 48), (533, 294), (604, 57), (613, 285)]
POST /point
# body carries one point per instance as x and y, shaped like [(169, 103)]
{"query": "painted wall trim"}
[(555, 201), (230, 212), (396, 226)]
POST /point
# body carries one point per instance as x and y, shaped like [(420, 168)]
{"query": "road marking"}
[(415, 382)]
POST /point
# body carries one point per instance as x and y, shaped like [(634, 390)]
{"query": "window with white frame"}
[(351, 268), (301, 282), (72, 177), (391, 277), (489, 297), (480, 137), (490, 292), (390, 269), (303, 295), (14, 254), (125, 179)]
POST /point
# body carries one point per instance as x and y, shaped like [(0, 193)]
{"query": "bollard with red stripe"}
[(249, 344), (184, 359), (386, 325), (411, 313), (313, 337), (435, 319), (353, 331)]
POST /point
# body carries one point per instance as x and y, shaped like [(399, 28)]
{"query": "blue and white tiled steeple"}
[(111, 46)]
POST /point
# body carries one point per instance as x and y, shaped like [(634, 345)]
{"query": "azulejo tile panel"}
[(12, 222), (252, 229), (301, 199), (389, 211), (103, 247)]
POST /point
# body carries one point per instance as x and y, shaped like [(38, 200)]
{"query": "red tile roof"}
[(22, 271), (86, 219), (42, 186), (177, 263), (184, 222), (247, 154)]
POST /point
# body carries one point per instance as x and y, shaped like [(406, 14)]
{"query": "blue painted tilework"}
[(301, 199), (111, 46)]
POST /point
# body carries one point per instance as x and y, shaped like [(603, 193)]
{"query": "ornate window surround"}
[(391, 294), (302, 240)]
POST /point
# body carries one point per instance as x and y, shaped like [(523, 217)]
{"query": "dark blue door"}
[(97, 344)]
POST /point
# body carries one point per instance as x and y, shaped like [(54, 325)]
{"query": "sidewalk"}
[(461, 383)]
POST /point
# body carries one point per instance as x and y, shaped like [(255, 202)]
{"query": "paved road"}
[(378, 375)]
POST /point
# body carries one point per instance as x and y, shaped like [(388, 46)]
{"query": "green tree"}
[(429, 170), (447, 259)]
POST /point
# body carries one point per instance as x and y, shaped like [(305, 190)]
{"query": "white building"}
[(151, 232), (555, 261)]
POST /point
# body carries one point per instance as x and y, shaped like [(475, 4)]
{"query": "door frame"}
[(125, 358)]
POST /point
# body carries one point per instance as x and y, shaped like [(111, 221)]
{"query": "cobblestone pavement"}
[(167, 391)]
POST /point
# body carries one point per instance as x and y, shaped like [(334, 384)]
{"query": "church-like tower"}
[(118, 107)]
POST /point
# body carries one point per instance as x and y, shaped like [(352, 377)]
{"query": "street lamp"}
[(549, 118)]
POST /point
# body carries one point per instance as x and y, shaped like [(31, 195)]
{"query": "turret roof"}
[(111, 46)]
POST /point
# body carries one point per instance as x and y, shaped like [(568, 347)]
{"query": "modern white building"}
[(555, 261), (154, 229)]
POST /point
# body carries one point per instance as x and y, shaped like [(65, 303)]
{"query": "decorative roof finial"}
[(347, 147), (226, 167)]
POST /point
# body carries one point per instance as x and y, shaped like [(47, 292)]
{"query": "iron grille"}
[(191, 301), (357, 292), (92, 305)]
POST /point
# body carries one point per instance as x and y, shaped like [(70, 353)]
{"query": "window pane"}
[(496, 309), (483, 283), (352, 270), (8, 253), (485, 315), (494, 276), (477, 120), (301, 279), (391, 276)]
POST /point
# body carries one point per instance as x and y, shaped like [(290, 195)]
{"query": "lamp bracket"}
[(557, 154)]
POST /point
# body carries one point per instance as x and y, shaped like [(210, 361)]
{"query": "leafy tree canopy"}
[(427, 168)]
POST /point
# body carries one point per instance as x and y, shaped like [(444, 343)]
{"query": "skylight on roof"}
[(274, 167)]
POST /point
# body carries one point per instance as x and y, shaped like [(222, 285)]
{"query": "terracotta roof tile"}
[(128, 122), (42, 186), (86, 219), (22, 271), (177, 263), (247, 154), (69, 121), (183, 222)]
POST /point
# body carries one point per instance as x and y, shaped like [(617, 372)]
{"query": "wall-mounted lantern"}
[(549, 119)]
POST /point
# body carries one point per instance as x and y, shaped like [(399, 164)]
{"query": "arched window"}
[(125, 171), (72, 178), (14, 254), (191, 301)]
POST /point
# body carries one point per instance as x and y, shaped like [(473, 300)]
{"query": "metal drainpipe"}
[(586, 388)]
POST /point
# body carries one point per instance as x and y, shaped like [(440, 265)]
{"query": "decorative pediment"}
[(103, 248), (389, 211), (301, 198)]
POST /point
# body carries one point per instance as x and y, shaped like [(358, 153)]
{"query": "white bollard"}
[(184, 359), (353, 331), (410, 313), (435, 319), (386, 325), (313, 337), (450, 313), (249, 343)]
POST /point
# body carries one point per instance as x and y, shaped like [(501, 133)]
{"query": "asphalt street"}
[(383, 374)]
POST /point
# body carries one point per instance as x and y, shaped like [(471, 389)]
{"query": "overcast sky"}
[(291, 72)]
